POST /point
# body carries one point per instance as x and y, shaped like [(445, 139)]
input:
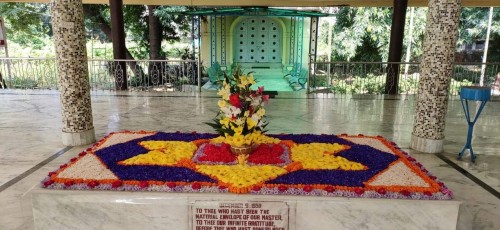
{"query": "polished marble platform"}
[(30, 133), (149, 210)]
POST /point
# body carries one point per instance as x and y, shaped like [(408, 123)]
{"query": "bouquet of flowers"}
[(241, 116)]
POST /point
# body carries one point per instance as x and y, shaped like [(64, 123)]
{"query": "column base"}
[(426, 145), (81, 138)]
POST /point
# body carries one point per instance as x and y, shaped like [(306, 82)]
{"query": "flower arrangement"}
[(241, 117), (304, 164)]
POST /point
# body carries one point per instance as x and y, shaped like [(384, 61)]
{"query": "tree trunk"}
[(155, 69), (154, 34), (2, 82), (97, 18)]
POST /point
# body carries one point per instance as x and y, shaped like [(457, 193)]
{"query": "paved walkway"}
[(30, 135)]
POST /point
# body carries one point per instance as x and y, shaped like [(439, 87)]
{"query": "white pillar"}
[(436, 71), (72, 71)]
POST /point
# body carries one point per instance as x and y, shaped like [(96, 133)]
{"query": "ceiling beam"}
[(279, 3)]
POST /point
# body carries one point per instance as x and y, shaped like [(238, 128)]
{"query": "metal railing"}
[(157, 75), (183, 75), (370, 77), (28, 73)]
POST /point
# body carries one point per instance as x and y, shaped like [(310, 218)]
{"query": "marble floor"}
[(30, 138)]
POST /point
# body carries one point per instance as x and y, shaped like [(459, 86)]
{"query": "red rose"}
[(260, 89), (215, 153), (282, 188), (69, 183), (359, 191), (235, 100), (256, 188), (381, 191), (63, 166), (47, 183), (308, 188), (265, 98), (427, 193), (73, 159), (88, 149), (92, 184), (329, 189), (222, 187), (82, 154), (405, 193), (116, 184), (51, 173), (196, 186), (143, 184), (171, 184)]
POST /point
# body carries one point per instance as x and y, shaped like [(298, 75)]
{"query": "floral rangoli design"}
[(304, 164)]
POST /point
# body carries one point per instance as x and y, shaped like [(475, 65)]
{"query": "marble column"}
[(436, 69), (72, 70)]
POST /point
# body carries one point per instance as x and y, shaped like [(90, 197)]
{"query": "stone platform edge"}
[(59, 209)]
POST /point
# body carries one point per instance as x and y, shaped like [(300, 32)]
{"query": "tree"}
[(148, 26), (419, 21), (473, 26), (27, 20), (99, 16), (155, 32), (361, 34), (154, 23)]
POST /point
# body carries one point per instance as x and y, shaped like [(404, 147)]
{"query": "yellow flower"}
[(162, 153), (229, 139), (239, 121), (263, 139), (221, 103), (248, 139), (323, 156), (224, 94), (238, 130), (238, 140), (242, 176), (255, 135), (225, 121), (250, 79), (261, 112), (243, 82), (251, 123), (218, 140)]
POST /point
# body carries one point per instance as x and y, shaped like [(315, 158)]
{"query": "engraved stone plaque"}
[(239, 215)]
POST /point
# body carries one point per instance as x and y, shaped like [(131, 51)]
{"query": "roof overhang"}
[(254, 11), (279, 3)]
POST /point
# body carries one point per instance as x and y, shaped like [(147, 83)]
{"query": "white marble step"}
[(54, 209)]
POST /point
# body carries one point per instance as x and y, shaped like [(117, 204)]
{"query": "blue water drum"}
[(475, 93)]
